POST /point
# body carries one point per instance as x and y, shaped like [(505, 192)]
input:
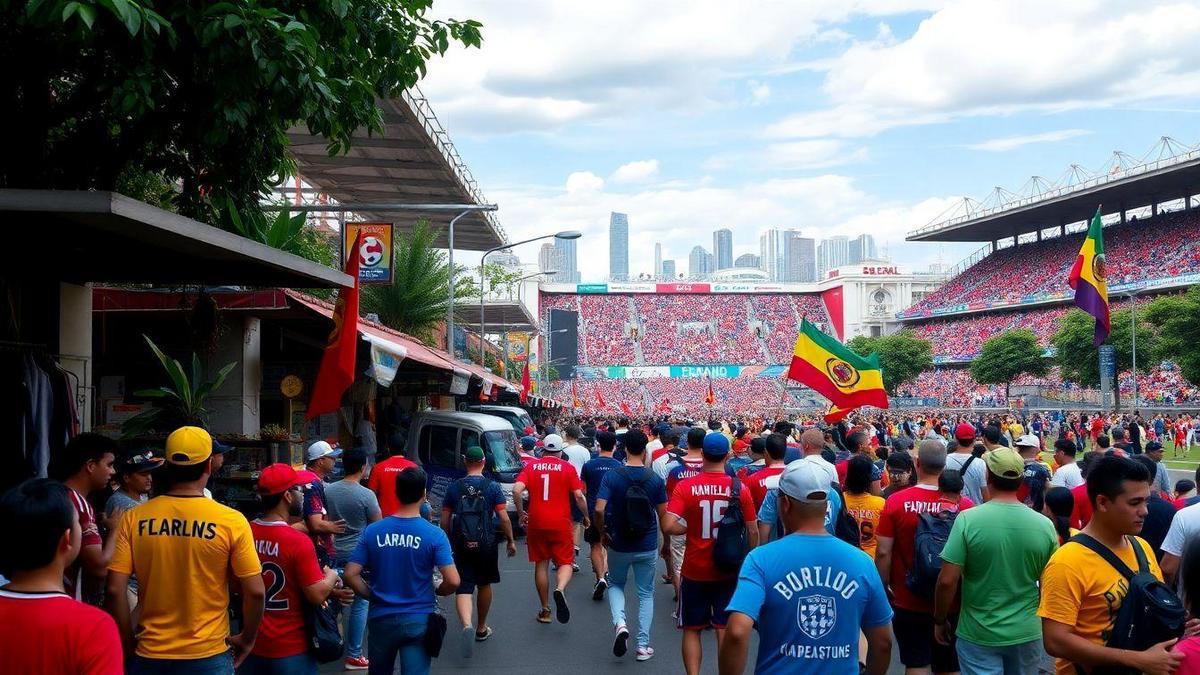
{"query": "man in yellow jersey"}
[(185, 549)]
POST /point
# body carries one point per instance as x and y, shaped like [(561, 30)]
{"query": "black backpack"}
[(474, 518), (933, 530), (640, 516), (733, 541), (1150, 613)]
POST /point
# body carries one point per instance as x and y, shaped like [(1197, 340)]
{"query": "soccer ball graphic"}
[(370, 252)]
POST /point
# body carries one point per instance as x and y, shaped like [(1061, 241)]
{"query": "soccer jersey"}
[(383, 482), (701, 502), (314, 505), (593, 475), (51, 634), (183, 550), (399, 555), (550, 482), (682, 469), (73, 575), (756, 483), (899, 518), (865, 508), (289, 564)]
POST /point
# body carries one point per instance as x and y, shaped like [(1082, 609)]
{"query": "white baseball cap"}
[(1028, 441), (552, 443), (805, 482), (321, 449)]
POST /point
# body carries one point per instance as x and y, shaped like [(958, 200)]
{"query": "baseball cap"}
[(1004, 462), (1027, 441), (528, 442), (965, 431), (716, 444), (188, 446), (142, 461), (219, 448), (805, 482), (474, 454), (660, 429), (278, 478), (552, 443), (321, 449), (1154, 446)]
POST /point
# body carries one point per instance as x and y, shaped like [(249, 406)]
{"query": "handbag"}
[(435, 634)]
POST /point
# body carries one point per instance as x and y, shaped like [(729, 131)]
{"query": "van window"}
[(438, 446), (502, 452), (466, 439)]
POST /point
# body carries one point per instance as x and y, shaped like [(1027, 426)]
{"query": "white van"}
[(438, 440), (517, 417)]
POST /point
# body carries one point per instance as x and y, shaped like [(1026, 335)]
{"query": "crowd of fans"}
[(647, 396), (684, 328), (781, 314), (1138, 250)]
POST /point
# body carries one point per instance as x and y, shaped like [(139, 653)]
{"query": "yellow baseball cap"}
[(1004, 462), (187, 446)]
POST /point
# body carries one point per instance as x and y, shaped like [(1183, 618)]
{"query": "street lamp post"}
[(565, 234)]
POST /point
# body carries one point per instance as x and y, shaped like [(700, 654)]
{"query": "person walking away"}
[(135, 483), (320, 458), (553, 485), (349, 502), (895, 550), (864, 506), (1189, 647), (695, 510), (860, 443), (1185, 490), (592, 475), (1067, 474), (42, 629), (769, 524), (1037, 476), (1161, 477), (553, 443), (472, 511), (629, 508), (1082, 593), (997, 551), (758, 458), (687, 466), (85, 466), (291, 572), (1159, 512), (776, 447), (399, 553), (572, 451), (382, 480), (809, 593), (963, 460), (187, 552), (1058, 507), (668, 453)]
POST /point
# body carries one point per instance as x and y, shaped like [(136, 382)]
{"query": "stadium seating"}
[(735, 396)]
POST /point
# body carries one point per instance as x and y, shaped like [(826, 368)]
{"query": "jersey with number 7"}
[(701, 501), (550, 482)]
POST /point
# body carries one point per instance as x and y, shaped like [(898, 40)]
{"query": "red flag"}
[(525, 383), (625, 409), (600, 403), (709, 398), (575, 402), (341, 350), (665, 405)]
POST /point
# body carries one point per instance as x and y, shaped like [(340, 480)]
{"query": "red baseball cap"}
[(965, 431), (278, 478)]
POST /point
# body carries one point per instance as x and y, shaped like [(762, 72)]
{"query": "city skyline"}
[(618, 246)]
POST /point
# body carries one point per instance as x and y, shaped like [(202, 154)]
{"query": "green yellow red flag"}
[(832, 370)]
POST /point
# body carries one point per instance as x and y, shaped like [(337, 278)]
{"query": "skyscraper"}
[(506, 259), (699, 263), (800, 258), (722, 249), (746, 260), (618, 246), (549, 260), (668, 270), (657, 261), (831, 254), (568, 267), (862, 248), (771, 254)]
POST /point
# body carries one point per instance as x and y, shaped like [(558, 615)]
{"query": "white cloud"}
[(584, 182), (635, 172), (1002, 56), (789, 156), (760, 92), (1007, 143)]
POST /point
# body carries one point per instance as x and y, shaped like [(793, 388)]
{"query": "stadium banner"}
[(716, 370), (630, 288), (682, 288), (374, 252), (518, 346), (591, 288), (589, 373), (775, 372), (747, 288), (914, 402)]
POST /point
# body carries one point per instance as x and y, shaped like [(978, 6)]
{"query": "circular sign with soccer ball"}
[(370, 251)]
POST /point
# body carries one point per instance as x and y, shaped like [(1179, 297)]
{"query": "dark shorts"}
[(477, 568), (918, 649), (591, 535), (702, 604)]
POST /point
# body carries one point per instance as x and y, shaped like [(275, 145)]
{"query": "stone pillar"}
[(75, 344)]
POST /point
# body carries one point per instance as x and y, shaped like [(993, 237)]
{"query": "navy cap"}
[(528, 442), (1153, 446), (716, 445)]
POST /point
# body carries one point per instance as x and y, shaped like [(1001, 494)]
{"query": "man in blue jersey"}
[(809, 592), (592, 476)]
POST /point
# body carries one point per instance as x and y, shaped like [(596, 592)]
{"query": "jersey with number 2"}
[(550, 482), (701, 502), (289, 563)]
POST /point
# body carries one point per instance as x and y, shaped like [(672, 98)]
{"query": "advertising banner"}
[(518, 347), (682, 288), (591, 288), (374, 252), (630, 288), (716, 370)]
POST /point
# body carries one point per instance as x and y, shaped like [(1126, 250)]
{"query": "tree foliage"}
[(1177, 319), (1008, 355), (1079, 360), (200, 94), (902, 356)]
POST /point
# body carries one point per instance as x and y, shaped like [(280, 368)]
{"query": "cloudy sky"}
[(831, 116)]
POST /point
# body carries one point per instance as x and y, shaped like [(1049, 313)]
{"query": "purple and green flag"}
[(1089, 281)]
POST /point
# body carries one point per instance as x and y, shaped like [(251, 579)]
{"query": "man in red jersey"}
[(756, 483), (552, 483), (695, 510), (43, 630), (383, 481), (85, 466), (1082, 513), (291, 575), (894, 552)]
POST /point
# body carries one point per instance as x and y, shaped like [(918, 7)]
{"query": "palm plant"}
[(185, 398)]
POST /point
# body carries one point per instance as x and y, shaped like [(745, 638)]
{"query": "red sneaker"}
[(357, 663)]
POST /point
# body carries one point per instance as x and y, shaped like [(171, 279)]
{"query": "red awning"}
[(157, 300)]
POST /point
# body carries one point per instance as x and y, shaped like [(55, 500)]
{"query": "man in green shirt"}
[(998, 550)]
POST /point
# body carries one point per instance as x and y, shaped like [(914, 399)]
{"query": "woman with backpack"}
[(864, 506)]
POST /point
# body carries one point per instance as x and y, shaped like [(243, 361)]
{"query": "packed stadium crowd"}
[(680, 395), (782, 314), (1168, 246)]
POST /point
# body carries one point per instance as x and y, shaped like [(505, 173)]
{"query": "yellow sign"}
[(291, 386), (518, 347), (375, 254)]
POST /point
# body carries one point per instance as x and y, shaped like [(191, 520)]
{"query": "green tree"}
[(415, 302), (902, 356), (1008, 355), (200, 94), (1177, 319), (1079, 359)]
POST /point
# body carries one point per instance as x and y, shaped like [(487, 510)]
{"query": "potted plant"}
[(183, 400)]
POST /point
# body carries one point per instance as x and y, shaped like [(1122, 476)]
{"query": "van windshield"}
[(502, 450)]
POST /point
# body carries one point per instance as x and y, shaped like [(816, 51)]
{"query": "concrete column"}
[(75, 344), (234, 407)]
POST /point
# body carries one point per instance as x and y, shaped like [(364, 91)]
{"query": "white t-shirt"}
[(653, 445), (1068, 476), (1184, 528), (976, 477), (577, 455)]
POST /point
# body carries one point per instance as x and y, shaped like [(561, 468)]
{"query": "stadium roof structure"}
[(498, 314), (1169, 171), (412, 162)]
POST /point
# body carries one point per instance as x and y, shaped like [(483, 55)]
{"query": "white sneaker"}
[(621, 641), (645, 653)]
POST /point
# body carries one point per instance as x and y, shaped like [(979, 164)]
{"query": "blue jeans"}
[(218, 664), (975, 659), (643, 563), (300, 664), (356, 624), (398, 635)]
